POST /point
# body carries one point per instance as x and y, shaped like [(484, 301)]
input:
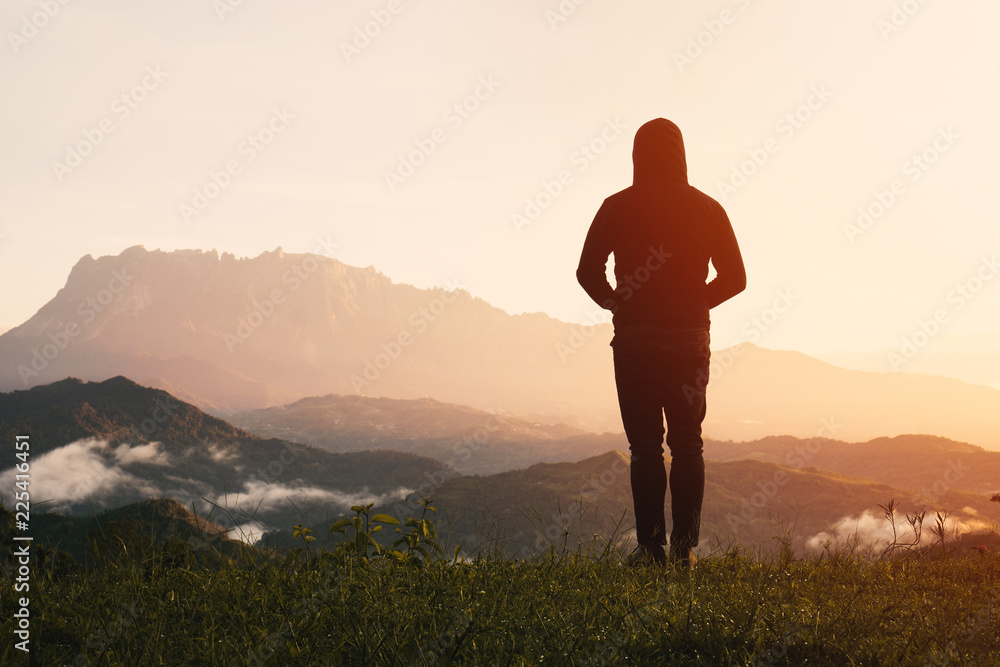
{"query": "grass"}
[(361, 602)]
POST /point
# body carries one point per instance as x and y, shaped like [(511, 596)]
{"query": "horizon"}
[(857, 181), (846, 361)]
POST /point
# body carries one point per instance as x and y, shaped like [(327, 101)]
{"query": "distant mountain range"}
[(930, 465), (97, 446), (233, 335), (747, 502), (467, 440), (101, 446)]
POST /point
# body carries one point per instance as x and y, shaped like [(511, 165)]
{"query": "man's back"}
[(663, 233)]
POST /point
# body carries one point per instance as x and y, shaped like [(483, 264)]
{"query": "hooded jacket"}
[(663, 233)]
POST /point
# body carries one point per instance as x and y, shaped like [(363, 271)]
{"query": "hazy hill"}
[(156, 521), (468, 440), (117, 410), (766, 392), (89, 452), (750, 502), (375, 419), (230, 334), (103, 445), (927, 464)]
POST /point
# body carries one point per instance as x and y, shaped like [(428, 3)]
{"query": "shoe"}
[(642, 555), (683, 559)]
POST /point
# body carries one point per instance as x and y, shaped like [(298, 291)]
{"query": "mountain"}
[(755, 392), (929, 465), (230, 335), (141, 524), (747, 502), (103, 445), (468, 440)]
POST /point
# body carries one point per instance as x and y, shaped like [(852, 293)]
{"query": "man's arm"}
[(730, 274), (592, 271)]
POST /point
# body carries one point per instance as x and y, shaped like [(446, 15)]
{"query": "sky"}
[(854, 146)]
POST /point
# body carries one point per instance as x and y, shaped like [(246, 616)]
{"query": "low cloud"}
[(871, 531), (248, 533), (221, 454), (91, 474), (271, 497), (85, 470), (148, 453)]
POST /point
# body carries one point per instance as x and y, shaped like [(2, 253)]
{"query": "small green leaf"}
[(340, 525), (386, 518)]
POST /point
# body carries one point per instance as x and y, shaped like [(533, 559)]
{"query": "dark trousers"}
[(656, 379)]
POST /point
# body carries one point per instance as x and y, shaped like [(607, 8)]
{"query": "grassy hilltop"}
[(353, 602)]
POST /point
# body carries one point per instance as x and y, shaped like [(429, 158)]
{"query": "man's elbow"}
[(739, 283)]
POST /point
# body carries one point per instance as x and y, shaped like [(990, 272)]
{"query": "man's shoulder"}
[(666, 191), (708, 200), (623, 194)]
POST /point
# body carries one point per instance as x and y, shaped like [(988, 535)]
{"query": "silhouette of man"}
[(663, 233)]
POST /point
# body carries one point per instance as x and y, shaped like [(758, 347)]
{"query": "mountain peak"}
[(116, 410)]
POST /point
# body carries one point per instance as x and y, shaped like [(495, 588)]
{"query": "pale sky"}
[(115, 112)]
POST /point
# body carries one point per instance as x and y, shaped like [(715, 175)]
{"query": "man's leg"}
[(639, 388), (684, 407)]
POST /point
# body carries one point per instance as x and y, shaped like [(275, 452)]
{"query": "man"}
[(663, 233)]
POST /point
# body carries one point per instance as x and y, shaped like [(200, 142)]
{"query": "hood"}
[(658, 153)]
